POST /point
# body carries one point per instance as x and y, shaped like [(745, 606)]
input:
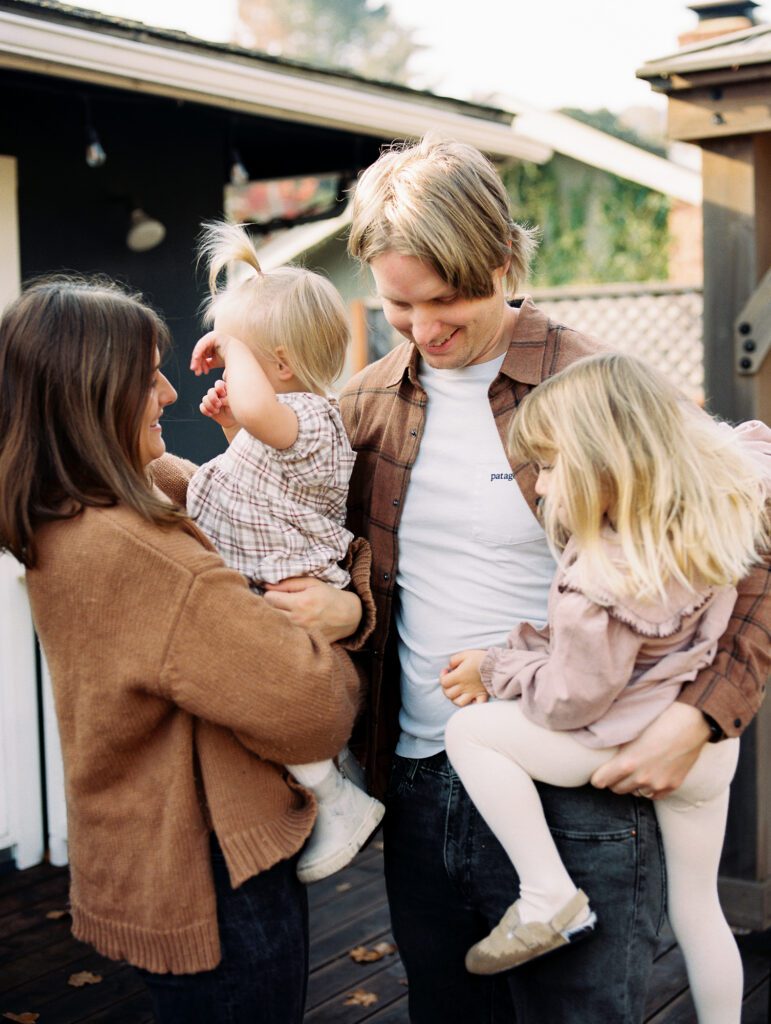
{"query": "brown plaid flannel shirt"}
[(383, 409)]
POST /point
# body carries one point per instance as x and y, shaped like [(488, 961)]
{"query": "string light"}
[(95, 154), (238, 173)]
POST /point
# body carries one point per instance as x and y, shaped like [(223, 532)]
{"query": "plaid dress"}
[(273, 514)]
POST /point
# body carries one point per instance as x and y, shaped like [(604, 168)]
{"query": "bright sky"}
[(556, 53)]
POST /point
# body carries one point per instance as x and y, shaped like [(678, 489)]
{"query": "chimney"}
[(719, 18)]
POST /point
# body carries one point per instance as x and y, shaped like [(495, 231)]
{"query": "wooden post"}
[(720, 99), (729, 269), (737, 253), (359, 353), (761, 391)]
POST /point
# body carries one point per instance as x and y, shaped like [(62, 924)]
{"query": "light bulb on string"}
[(238, 172), (95, 154)]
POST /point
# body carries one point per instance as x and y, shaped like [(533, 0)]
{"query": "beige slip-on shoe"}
[(513, 942)]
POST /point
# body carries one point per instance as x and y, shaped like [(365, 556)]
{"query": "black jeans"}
[(262, 978), (449, 881)]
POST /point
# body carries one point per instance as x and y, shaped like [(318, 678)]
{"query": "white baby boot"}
[(346, 819), (351, 769)]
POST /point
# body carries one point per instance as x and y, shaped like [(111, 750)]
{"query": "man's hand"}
[(316, 606), (461, 681), (656, 763)]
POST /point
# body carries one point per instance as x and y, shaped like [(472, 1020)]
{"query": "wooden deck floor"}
[(38, 956)]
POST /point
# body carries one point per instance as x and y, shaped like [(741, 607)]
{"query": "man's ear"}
[(502, 271)]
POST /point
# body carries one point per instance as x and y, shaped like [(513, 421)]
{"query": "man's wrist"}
[(715, 732)]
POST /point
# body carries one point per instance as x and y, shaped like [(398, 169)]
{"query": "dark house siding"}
[(171, 158)]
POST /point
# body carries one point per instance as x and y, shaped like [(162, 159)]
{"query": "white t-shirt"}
[(473, 559)]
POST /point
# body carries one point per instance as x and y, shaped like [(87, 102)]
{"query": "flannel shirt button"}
[(386, 575), (396, 502), (737, 722), (413, 433)]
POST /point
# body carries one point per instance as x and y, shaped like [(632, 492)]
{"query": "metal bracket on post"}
[(752, 329)]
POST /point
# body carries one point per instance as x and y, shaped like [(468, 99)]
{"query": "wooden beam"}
[(358, 350), (761, 382), (675, 81), (739, 109), (762, 156), (730, 269), (737, 254)]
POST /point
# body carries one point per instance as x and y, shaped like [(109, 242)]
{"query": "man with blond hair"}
[(458, 557)]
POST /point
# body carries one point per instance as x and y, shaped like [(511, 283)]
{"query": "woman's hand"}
[(316, 606), (656, 763), (461, 681)]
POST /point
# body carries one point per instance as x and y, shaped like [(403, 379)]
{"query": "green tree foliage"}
[(594, 227), (349, 35)]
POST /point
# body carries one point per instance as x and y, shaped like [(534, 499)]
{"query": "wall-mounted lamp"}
[(145, 232), (238, 173), (95, 154)]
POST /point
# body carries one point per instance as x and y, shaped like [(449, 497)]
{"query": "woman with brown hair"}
[(169, 675)]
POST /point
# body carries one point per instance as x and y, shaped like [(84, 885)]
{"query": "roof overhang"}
[(746, 55), (717, 89), (244, 83)]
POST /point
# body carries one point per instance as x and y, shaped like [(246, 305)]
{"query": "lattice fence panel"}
[(661, 323), (664, 327)]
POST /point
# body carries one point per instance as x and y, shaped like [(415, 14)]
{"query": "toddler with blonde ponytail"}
[(655, 510), (274, 503)]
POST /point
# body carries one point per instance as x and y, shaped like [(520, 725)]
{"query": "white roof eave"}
[(598, 149), (48, 47)]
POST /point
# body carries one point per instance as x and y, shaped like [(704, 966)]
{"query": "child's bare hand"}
[(461, 680), (214, 404), (209, 352)]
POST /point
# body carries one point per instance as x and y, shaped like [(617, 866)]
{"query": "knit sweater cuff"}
[(172, 475), (359, 564)]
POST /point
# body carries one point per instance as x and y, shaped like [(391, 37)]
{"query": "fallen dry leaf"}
[(83, 978), (22, 1018), (360, 998), (362, 955), (343, 887), (55, 915), (386, 948)]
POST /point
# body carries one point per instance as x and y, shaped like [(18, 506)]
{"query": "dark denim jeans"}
[(449, 881), (262, 977)]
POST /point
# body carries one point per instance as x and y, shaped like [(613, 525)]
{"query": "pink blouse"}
[(606, 670)]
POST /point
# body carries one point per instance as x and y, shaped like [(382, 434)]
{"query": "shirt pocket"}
[(500, 514)]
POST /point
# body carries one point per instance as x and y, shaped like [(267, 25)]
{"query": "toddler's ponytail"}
[(221, 243)]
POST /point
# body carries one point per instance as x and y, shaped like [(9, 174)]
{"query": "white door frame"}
[(21, 790)]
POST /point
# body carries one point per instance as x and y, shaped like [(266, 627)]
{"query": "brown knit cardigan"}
[(179, 695)]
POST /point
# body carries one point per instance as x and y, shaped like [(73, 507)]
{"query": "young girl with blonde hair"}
[(274, 503), (656, 511)]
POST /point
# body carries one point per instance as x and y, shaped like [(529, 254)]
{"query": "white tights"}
[(497, 752)]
